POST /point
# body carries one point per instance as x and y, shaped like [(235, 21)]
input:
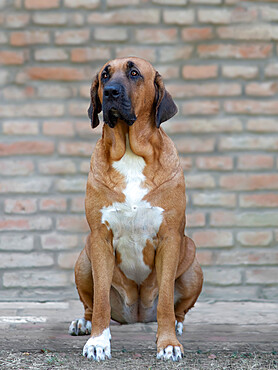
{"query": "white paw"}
[(179, 328), (170, 353), (80, 327), (98, 348)]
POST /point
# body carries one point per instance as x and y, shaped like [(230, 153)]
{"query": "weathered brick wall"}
[(219, 61)]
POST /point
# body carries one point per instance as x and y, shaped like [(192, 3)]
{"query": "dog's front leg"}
[(102, 261), (167, 256)]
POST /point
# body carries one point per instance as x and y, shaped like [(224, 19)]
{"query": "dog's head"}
[(127, 89)]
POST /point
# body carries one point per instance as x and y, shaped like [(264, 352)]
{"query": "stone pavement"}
[(232, 326)]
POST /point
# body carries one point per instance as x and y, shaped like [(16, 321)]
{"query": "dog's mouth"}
[(111, 115)]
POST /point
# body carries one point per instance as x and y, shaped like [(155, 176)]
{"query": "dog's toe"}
[(80, 327), (170, 353), (98, 348), (179, 328)]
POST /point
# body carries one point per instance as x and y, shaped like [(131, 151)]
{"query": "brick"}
[(255, 238), (214, 200), (211, 238), (261, 89), (248, 143), (178, 17), (156, 36), (78, 109), (267, 275), (205, 258), (186, 163), (168, 71), (195, 34), (16, 242), (25, 38), (200, 181), (226, 16), (271, 70), (21, 206), (195, 219), (168, 2), (20, 128), (262, 125), (50, 19), (269, 200), (34, 259), (145, 16), (55, 241), (173, 53), (72, 37), (261, 32), (57, 167), (84, 129), (18, 20), (53, 204), (247, 258), (56, 91), (18, 93), (110, 34), (200, 107), (85, 167), (245, 51), (85, 4), (29, 279), (199, 72), (72, 224), (247, 219), (14, 168), (205, 125), (255, 162), (18, 224), (4, 77), (72, 185), (58, 128), (141, 52), (206, 2), (32, 110), (78, 204), (269, 13), (194, 145), (251, 107), (67, 260), (235, 292), (82, 149), (220, 276), (249, 182), (50, 55), (57, 73), (26, 147), (12, 57), (242, 72), (81, 55), (117, 3), (33, 185), (41, 4), (214, 163)]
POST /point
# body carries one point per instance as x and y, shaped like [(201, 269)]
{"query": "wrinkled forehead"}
[(124, 64)]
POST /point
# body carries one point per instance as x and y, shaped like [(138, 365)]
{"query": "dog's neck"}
[(143, 138)]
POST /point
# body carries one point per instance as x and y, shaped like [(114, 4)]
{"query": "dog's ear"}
[(95, 106), (165, 108)]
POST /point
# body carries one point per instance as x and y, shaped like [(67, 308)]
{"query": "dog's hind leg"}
[(187, 290), (84, 284)]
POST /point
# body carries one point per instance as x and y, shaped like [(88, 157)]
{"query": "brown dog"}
[(137, 265)]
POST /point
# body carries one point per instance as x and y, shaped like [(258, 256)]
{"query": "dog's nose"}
[(112, 91)]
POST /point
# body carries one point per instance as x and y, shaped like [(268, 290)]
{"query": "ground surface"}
[(221, 335)]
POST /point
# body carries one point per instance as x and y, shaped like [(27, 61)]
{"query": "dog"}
[(137, 265)]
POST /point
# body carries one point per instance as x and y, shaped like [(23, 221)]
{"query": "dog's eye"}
[(134, 73), (105, 75)]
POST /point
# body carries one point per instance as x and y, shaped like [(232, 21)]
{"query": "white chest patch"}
[(134, 221)]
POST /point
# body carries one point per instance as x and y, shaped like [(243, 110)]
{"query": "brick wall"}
[(219, 61)]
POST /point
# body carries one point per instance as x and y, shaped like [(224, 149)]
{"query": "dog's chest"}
[(134, 221)]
